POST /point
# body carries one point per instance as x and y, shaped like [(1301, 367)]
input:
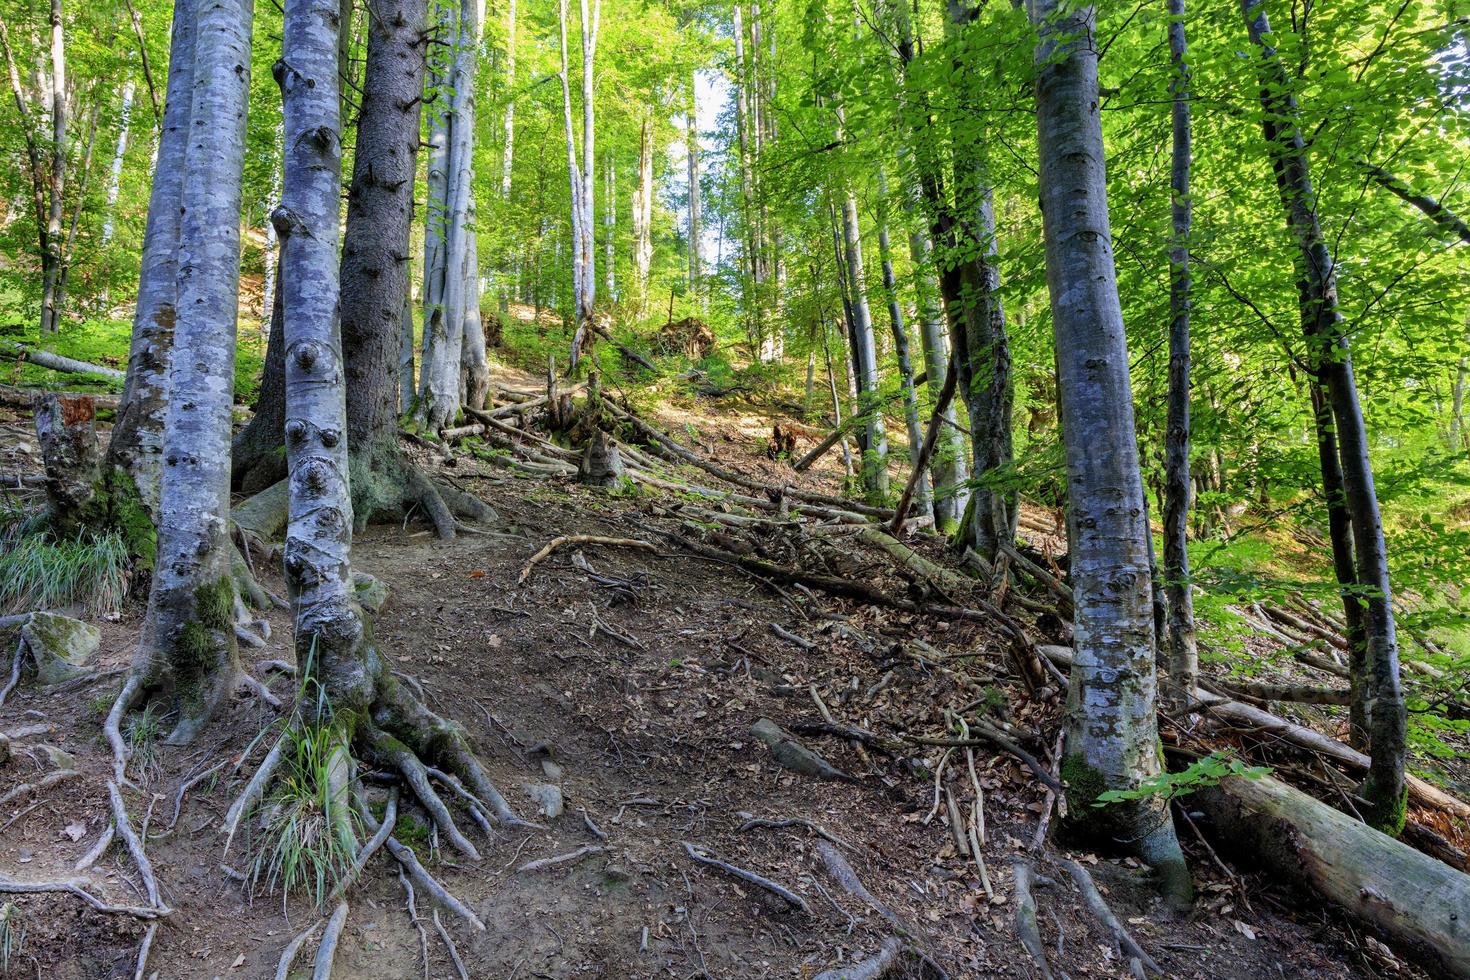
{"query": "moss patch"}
[(1084, 783)]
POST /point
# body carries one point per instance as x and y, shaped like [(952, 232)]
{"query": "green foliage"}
[(12, 936), (142, 734), (1200, 774)]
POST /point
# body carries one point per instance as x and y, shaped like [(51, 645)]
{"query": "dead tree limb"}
[(575, 539), (781, 891)]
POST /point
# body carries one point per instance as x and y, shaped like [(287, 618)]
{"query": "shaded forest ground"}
[(630, 680)]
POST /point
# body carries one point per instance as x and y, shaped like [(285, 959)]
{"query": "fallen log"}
[(1421, 793), (56, 362), (1417, 901), (23, 398)]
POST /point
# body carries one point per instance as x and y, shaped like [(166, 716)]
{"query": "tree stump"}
[(602, 464), (67, 432)]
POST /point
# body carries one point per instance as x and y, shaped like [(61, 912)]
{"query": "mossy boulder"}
[(371, 591), (60, 646)]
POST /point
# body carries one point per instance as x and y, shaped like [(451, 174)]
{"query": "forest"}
[(674, 488)]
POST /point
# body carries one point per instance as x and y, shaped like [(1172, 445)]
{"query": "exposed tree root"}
[(874, 967), (781, 891), (15, 665), (288, 955), (1026, 927), (104, 841), (1105, 915), (76, 886), (567, 858), (413, 915), (184, 788), (449, 944), (327, 951), (752, 823), (46, 782), (124, 829), (390, 819)]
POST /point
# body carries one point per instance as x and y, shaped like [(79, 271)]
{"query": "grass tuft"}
[(38, 571), (306, 843), (12, 936)]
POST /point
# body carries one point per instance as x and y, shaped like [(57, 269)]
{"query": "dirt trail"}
[(629, 680)]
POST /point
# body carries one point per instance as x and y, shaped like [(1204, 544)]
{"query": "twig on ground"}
[(752, 823), (792, 638), (779, 890), (46, 782), (548, 862), (571, 539), (184, 788), (990, 736)]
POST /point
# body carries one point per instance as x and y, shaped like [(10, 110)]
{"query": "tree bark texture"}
[(188, 641), (922, 501), (1112, 730), (1183, 654)]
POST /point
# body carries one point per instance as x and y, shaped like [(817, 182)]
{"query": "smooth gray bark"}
[(1183, 654), (922, 504), (508, 156), (643, 217), (1112, 728), (691, 150), (188, 641), (51, 259), (1383, 701), (136, 445), (114, 171), (865, 355), (439, 109)]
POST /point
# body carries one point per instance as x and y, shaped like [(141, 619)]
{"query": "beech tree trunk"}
[(1384, 707), (643, 217), (188, 640), (375, 282), (865, 355), (691, 150), (1183, 655), (508, 157), (114, 172), (51, 259), (136, 445), (922, 504), (1112, 730), (256, 459)]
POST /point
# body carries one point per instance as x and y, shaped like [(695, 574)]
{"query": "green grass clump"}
[(143, 735), (38, 571), (12, 936), (307, 841)]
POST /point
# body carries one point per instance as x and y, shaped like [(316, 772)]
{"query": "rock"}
[(4, 748), (60, 646), (59, 758), (548, 798), (793, 755), (552, 770), (616, 874), (371, 591)]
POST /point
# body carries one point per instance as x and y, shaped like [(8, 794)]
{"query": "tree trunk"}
[(1183, 655), (587, 302), (136, 445), (51, 258), (66, 432), (256, 457), (188, 642), (574, 179), (1414, 900), (508, 158), (691, 150), (922, 501), (474, 362), (1112, 730), (444, 325), (114, 172), (1328, 348), (865, 355), (643, 217)]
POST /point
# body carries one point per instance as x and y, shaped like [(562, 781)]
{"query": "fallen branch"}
[(46, 782), (780, 891), (926, 452), (754, 822), (577, 539), (992, 737), (56, 362)]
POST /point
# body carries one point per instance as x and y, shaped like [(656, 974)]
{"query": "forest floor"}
[(630, 680)]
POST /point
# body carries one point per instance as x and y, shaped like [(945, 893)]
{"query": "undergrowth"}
[(39, 571)]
